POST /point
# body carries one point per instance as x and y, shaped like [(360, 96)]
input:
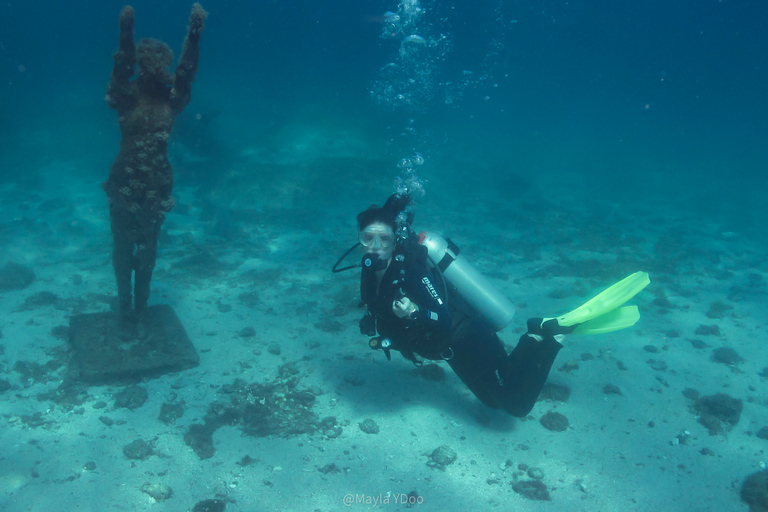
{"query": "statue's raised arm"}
[(181, 93), (119, 88)]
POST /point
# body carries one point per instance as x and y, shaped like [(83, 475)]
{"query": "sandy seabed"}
[(261, 306)]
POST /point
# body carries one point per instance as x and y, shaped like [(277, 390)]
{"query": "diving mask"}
[(377, 236)]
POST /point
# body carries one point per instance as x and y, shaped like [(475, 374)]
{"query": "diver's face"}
[(378, 238)]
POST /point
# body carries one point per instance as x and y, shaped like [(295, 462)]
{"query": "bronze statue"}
[(141, 179)]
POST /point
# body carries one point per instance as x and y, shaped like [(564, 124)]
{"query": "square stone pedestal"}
[(102, 353)]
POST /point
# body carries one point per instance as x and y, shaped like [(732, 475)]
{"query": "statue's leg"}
[(146, 255), (122, 261)]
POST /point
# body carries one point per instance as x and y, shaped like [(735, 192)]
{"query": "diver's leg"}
[(478, 357), (527, 368), (510, 382)]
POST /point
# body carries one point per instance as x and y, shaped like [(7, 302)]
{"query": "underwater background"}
[(562, 144), (644, 99)]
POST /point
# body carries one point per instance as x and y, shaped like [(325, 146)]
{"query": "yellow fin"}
[(607, 300), (619, 318)]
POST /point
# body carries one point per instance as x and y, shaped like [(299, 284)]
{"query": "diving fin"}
[(602, 313), (619, 318)]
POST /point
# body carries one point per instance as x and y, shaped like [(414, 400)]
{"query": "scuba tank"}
[(470, 285)]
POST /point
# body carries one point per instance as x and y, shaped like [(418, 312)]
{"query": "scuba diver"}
[(424, 299)]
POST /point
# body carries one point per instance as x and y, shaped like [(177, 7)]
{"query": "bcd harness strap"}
[(451, 253)]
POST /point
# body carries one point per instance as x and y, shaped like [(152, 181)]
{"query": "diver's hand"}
[(404, 307)]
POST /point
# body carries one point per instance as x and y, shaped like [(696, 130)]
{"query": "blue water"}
[(610, 92), (577, 140)]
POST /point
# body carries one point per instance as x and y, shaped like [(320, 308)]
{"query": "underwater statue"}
[(141, 179)]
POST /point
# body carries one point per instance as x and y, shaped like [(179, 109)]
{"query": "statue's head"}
[(154, 60)]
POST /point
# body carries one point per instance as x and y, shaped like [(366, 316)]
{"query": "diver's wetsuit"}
[(473, 350), (429, 333)]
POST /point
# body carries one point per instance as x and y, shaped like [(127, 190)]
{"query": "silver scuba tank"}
[(471, 285)]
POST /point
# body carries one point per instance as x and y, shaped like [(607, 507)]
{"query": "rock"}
[(15, 277), (279, 408), (38, 300), (718, 310), (131, 397), (442, 457), (719, 413), (138, 450), (691, 394), (274, 349), (329, 468), (210, 506), (169, 413), (727, 356), (532, 489), (330, 325), (158, 492), (369, 426), (555, 422), (708, 330), (247, 332), (247, 461), (754, 492), (200, 439)]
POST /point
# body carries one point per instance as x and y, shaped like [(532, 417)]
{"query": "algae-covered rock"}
[(138, 450), (158, 492), (369, 426), (15, 277), (532, 489), (442, 457), (39, 300), (726, 356), (169, 413), (719, 413), (555, 422), (754, 492), (210, 506), (262, 409), (131, 397)]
